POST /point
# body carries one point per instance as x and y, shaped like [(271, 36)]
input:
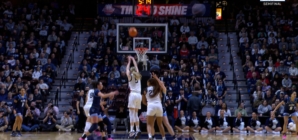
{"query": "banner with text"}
[(197, 9)]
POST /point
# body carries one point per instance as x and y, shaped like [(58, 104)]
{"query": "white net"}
[(141, 54)]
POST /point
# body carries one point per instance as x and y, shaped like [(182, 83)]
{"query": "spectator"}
[(194, 123), (209, 124), (30, 122), (181, 123), (273, 125), (241, 110), (227, 112), (264, 109), (154, 63), (287, 82), (193, 103), (66, 123), (121, 116), (239, 124), (254, 125), (49, 122), (222, 125), (3, 121), (80, 112), (192, 40), (51, 109)]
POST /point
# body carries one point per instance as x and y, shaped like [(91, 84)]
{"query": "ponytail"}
[(136, 74)]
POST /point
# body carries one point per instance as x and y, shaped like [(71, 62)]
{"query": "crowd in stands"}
[(189, 70), (268, 41), (33, 38)]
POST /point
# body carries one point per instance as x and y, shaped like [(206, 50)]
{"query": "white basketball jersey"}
[(150, 91), (90, 95), (135, 85)]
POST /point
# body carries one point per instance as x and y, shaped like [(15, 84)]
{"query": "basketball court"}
[(122, 136)]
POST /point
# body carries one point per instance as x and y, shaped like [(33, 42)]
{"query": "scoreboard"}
[(143, 8)]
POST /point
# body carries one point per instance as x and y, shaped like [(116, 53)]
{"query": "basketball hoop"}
[(141, 53)]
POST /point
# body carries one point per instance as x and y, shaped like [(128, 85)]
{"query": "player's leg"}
[(285, 125), (136, 111), (153, 129), (131, 107), (150, 125), (165, 121), (295, 120), (159, 116), (15, 125), (107, 122), (20, 123), (93, 121)]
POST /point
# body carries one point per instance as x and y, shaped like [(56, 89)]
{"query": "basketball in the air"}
[(132, 32)]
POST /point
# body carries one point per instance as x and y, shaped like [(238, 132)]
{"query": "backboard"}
[(150, 35)]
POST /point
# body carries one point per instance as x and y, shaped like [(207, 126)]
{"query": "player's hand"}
[(14, 111), (115, 93), (154, 75), (78, 112)]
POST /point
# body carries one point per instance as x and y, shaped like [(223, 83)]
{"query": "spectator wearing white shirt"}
[(192, 40), (202, 42), (293, 71), (43, 32), (92, 44), (243, 39), (287, 82), (43, 87), (184, 29), (36, 74)]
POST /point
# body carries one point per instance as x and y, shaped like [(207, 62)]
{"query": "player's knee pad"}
[(106, 121), (93, 127)]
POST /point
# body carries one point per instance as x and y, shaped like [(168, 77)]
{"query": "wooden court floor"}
[(119, 136)]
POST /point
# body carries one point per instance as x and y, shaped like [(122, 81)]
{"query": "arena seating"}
[(268, 45), (32, 44)]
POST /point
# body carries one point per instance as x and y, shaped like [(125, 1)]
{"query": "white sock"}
[(87, 126), (149, 135)]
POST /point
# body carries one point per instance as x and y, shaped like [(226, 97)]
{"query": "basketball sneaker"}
[(284, 136), (13, 134), (19, 134), (131, 134)]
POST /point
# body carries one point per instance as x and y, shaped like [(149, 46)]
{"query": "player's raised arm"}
[(127, 69), (164, 89), (134, 63)]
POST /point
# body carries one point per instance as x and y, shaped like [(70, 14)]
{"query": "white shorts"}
[(86, 110), (134, 100), (154, 109)]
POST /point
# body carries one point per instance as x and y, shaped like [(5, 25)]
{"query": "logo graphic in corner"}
[(108, 9)]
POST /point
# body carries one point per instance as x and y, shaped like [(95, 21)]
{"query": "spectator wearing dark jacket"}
[(194, 103)]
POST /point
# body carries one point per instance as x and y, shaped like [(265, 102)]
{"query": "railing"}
[(231, 62), (64, 75)]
